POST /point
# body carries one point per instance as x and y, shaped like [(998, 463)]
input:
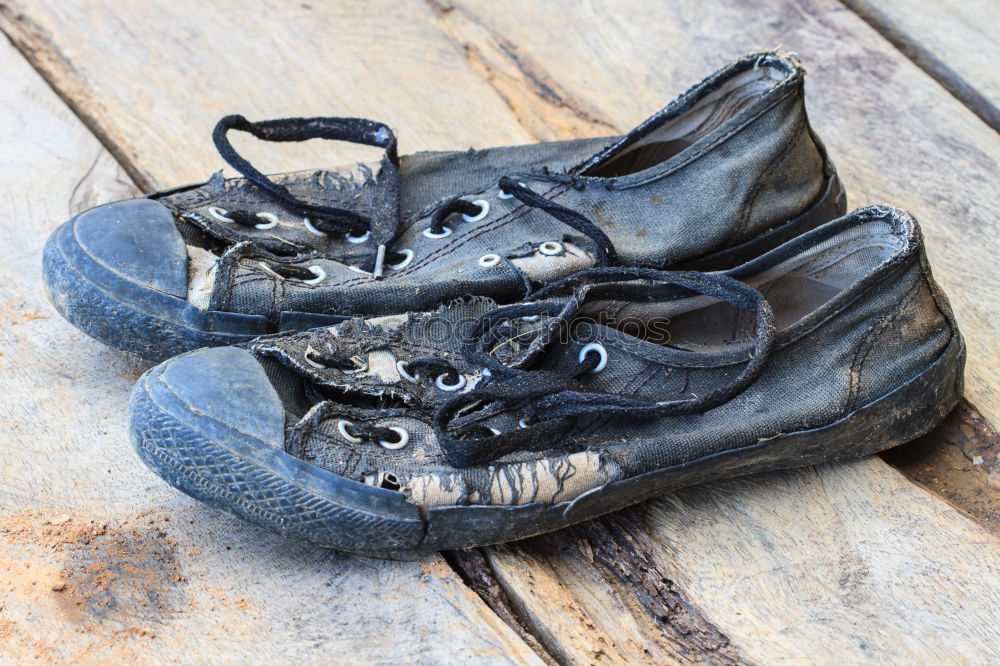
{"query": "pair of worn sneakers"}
[(451, 349)]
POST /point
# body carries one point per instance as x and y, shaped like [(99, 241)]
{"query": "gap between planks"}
[(965, 91)]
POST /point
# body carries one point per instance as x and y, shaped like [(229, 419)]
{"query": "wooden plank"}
[(955, 42), (101, 562), (155, 107), (869, 104), (882, 118), (880, 572)]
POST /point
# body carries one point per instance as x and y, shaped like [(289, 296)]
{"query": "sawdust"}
[(121, 590), (109, 585)]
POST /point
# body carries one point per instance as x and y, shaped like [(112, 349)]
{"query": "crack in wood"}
[(540, 104), (959, 461), (39, 48), (933, 66), (611, 542), (476, 573)]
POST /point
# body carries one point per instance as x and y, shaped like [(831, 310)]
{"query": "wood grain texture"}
[(843, 582), (100, 561), (457, 74), (957, 43), (793, 566), (152, 78), (856, 577)]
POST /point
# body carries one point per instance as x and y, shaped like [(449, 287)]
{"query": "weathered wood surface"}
[(881, 572), (796, 565), (955, 41), (155, 106), (100, 562)]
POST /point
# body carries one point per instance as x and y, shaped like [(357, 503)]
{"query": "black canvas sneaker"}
[(725, 172), (478, 423)]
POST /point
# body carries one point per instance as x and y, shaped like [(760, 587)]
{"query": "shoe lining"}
[(794, 288), (679, 133)]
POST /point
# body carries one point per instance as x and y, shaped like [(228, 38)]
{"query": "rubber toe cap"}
[(139, 241), (229, 391)]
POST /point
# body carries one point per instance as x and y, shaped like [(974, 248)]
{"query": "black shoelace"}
[(552, 409), (383, 224), (384, 221)]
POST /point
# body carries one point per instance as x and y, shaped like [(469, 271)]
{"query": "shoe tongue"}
[(385, 204)]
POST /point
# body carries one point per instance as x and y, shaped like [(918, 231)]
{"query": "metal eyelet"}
[(360, 362), (342, 429), (404, 439), (318, 272), (401, 368), (272, 221), (601, 351), (550, 248), (495, 431), (311, 229), (489, 260), (405, 262), (439, 382), (484, 209), (445, 232), (523, 423), (530, 318), (305, 355), (219, 214), (506, 195), (358, 239)]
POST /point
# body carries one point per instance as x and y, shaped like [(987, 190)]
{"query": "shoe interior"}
[(681, 131), (794, 288)]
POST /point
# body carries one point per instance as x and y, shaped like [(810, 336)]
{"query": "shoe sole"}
[(123, 314), (231, 471)]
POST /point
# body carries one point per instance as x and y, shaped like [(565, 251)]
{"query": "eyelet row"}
[(404, 436), (222, 215), (439, 381), (272, 221), (548, 248), (486, 261)]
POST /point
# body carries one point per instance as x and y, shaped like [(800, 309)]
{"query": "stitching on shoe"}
[(758, 186), (867, 344)]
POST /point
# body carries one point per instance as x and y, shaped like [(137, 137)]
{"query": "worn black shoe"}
[(603, 389), (725, 172)]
